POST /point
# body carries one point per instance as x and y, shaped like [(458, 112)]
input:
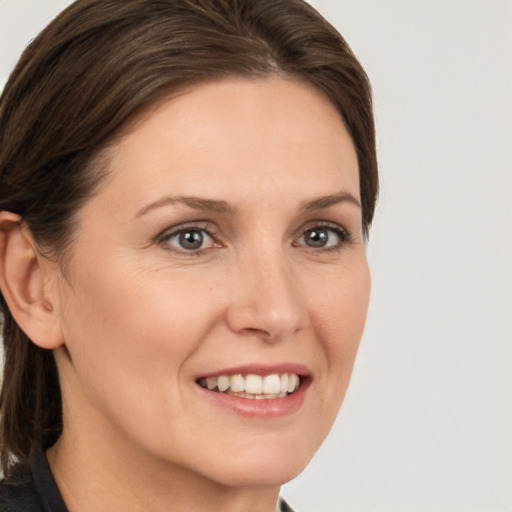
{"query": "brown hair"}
[(88, 73)]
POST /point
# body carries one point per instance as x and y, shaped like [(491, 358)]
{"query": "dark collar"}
[(45, 484)]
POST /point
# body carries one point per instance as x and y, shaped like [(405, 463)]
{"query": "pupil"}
[(317, 238), (191, 239)]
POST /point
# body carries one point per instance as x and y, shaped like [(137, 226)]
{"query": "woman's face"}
[(225, 248)]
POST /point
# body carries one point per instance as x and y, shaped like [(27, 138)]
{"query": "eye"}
[(323, 237), (189, 239)]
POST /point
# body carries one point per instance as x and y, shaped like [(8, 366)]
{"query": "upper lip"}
[(260, 369)]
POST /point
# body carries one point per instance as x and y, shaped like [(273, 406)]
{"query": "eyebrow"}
[(330, 200), (196, 203), (219, 206)]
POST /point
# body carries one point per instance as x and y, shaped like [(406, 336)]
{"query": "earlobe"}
[(24, 284)]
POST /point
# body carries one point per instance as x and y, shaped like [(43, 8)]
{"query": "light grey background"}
[(427, 423)]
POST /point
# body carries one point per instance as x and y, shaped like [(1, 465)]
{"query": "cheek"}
[(341, 315), (131, 333), (342, 306), (129, 341)]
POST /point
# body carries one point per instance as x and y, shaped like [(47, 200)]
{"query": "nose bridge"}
[(267, 298)]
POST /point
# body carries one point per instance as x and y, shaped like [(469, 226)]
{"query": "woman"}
[(186, 190)]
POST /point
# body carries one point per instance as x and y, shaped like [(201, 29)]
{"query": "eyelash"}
[(345, 238), (196, 227), (343, 235)]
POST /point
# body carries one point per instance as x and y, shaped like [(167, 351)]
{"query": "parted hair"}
[(90, 72)]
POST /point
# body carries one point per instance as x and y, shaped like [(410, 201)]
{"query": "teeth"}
[(272, 384), (254, 386), (237, 383), (293, 382), (223, 383), (284, 383)]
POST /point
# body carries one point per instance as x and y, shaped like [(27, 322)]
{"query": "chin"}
[(265, 467), (270, 474)]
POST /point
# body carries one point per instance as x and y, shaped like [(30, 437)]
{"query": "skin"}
[(137, 318)]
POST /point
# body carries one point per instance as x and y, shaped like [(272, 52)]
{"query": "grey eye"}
[(316, 237), (190, 239), (321, 237)]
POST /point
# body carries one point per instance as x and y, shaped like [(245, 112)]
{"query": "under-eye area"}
[(251, 386)]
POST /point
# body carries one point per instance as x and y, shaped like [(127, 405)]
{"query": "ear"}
[(25, 284)]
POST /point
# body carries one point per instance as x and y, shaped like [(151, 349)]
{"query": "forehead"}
[(239, 135)]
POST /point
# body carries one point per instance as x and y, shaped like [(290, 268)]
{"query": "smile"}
[(253, 386)]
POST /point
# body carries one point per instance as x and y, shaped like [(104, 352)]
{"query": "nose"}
[(265, 298)]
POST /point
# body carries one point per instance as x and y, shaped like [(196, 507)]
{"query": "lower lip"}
[(259, 408)]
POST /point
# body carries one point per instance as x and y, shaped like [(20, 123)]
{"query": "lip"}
[(260, 369), (265, 408)]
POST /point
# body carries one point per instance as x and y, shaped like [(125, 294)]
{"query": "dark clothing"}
[(33, 489)]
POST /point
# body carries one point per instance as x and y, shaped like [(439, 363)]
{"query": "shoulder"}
[(19, 494)]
